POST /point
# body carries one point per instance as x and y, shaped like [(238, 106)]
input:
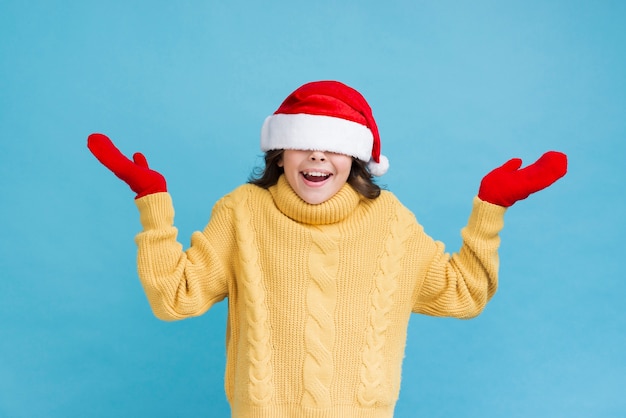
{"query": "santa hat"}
[(326, 116)]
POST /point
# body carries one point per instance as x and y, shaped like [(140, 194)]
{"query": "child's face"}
[(315, 176)]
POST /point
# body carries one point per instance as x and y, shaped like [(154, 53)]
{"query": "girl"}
[(321, 268)]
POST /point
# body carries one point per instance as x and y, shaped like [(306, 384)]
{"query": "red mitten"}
[(507, 184), (141, 179)]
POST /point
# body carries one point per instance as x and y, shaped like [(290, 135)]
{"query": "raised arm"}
[(459, 285), (178, 283)]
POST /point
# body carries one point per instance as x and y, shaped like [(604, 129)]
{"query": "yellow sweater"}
[(319, 296)]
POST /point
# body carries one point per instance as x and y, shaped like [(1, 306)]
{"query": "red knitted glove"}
[(141, 179), (507, 184)]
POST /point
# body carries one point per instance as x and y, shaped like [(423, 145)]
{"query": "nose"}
[(317, 156)]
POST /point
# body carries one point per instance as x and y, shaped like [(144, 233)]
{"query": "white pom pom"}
[(380, 168)]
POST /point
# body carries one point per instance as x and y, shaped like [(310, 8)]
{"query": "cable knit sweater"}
[(319, 296)]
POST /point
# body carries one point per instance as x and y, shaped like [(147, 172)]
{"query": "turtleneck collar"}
[(333, 210)]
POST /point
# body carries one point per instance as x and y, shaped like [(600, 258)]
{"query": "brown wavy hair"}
[(360, 178)]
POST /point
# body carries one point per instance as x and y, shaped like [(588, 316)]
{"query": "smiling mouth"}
[(315, 176)]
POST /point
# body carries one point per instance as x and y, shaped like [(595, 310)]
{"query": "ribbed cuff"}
[(155, 210), (486, 218)]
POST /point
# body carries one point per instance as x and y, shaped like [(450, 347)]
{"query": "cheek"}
[(344, 166)]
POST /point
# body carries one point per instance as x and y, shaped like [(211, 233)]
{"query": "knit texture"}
[(319, 296)]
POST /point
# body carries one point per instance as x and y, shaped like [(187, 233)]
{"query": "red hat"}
[(326, 116)]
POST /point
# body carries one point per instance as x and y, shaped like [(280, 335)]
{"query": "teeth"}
[(315, 174)]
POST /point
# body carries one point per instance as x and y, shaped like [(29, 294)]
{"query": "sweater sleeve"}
[(180, 284), (461, 284)]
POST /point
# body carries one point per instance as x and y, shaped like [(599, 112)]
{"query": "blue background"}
[(457, 88)]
